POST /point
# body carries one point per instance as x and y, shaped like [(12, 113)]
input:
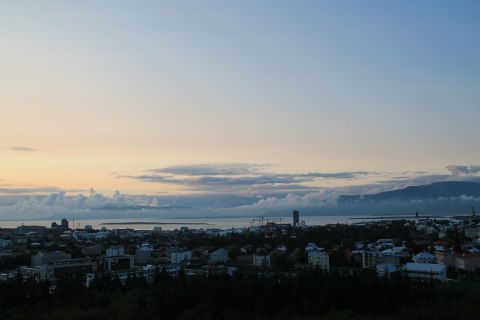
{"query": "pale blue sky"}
[(96, 87)]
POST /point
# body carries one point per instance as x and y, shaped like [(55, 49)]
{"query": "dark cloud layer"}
[(206, 177)]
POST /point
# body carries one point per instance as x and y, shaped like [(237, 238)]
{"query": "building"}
[(143, 255), (117, 261), (5, 243), (369, 259), (472, 232), (426, 271), (262, 260), (115, 251), (218, 256), (55, 270), (296, 218), (424, 257), (386, 269), (92, 251), (24, 230), (387, 258), (319, 259), (64, 224), (43, 257), (468, 262), (180, 256)]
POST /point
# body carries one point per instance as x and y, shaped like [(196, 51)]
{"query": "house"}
[(424, 257), (426, 271)]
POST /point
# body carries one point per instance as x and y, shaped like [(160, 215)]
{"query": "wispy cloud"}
[(212, 169), (22, 149), (11, 190)]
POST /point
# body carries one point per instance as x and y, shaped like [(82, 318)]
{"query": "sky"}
[(233, 102)]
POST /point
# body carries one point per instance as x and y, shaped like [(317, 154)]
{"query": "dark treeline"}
[(310, 295)]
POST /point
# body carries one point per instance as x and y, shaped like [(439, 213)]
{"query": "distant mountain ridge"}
[(444, 189)]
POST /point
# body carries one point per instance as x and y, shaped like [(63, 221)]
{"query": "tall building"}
[(64, 223), (296, 218)]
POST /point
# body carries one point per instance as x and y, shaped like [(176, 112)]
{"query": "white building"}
[(319, 259), (426, 271)]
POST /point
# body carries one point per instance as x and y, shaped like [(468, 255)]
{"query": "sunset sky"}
[(258, 98)]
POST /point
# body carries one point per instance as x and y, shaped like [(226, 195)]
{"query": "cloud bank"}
[(222, 189)]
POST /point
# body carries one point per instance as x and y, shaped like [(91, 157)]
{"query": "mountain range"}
[(434, 191)]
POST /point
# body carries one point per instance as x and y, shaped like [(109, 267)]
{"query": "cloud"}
[(60, 202), (23, 149), (459, 170), (223, 169), (322, 197), (215, 182), (240, 189), (232, 177), (32, 190)]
